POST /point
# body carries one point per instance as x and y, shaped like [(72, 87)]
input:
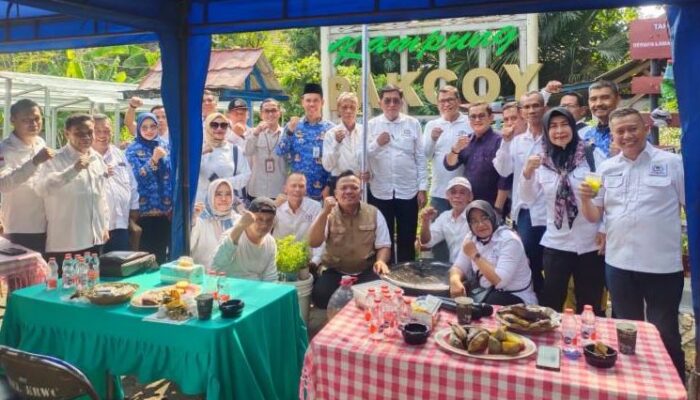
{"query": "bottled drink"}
[(389, 316), (377, 320), (94, 270), (342, 296), (222, 287), (398, 299), (588, 333), (52, 277), (369, 298), (569, 333), (81, 274), (68, 272), (210, 283), (406, 311)]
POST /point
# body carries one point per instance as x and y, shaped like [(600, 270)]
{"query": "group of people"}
[(305, 178)]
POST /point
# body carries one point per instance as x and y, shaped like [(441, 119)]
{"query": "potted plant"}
[(292, 259)]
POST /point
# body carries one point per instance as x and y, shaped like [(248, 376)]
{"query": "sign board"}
[(646, 84), (649, 39)]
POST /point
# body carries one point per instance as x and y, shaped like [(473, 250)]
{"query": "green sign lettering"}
[(348, 47)]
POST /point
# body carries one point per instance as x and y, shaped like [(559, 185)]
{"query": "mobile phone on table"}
[(12, 251), (549, 358)]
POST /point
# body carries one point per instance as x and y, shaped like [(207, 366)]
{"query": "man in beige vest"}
[(356, 237)]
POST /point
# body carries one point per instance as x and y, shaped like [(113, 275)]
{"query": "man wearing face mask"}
[(356, 239), (21, 154), (73, 188)]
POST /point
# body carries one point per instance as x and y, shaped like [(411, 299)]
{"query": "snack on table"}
[(183, 269), (479, 340), (160, 296), (528, 319), (109, 292)]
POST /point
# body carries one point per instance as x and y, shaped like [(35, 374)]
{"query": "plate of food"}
[(528, 319), (154, 298), (477, 342), (109, 293)]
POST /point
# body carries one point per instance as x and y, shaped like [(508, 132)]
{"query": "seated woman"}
[(248, 251), (212, 219), (495, 254)]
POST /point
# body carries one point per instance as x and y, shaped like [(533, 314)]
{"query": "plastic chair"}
[(34, 376)]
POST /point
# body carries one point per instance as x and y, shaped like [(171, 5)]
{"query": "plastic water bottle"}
[(569, 333), (342, 296), (389, 314), (398, 299), (68, 272), (52, 278), (369, 298), (377, 320), (406, 313), (81, 273), (94, 270), (588, 322)]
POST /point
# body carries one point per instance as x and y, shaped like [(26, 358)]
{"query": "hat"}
[(262, 204), (313, 88), (237, 104), (459, 181)]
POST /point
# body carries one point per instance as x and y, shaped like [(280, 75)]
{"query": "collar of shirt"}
[(287, 209), (648, 152), (74, 154), (528, 134), (461, 217), (398, 119), (305, 121), (461, 119), (487, 135), (16, 141)]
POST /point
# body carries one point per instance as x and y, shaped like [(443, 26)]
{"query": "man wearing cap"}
[(450, 226), (356, 239), (268, 170), (238, 116), (248, 251), (302, 142)]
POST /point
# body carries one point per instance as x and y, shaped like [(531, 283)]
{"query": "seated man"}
[(295, 213), (451, 226), (247, 250), (356, 238)]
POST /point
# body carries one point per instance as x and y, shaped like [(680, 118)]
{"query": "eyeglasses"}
[(391, 100), (474, 117), (477, 222), (149, 127), (445, 101), (217, 125), (270, 110)]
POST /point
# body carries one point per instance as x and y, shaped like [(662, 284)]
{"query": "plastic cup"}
[(626, 337), (594, 180), (205, 304), (465, 307)]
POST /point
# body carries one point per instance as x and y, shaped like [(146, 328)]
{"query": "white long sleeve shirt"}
[(265, 180), (219, 164), (120, 188), (205, 237), (511, 158), (436, 150), (450, 229), (398, 169), (580, 237), (76, 205), (246, 260), (298, 223), (641, 200), (339, 157), (21, 211)]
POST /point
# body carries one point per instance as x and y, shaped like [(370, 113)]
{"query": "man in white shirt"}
[(641, 198), (530, 219), (268, 170), (450, 226), (158, 110), (248, 251), (21, 153), (296, 212), (342, 146), (576, 105), (238, 116), (120, 187), (72, 185), (210, 103), (398, 171)]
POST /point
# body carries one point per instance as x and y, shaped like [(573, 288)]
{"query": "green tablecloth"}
[(256, 356)]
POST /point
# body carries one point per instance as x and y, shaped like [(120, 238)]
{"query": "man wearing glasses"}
[(269, 170), (476, 153), (576, 105), (398, 171)]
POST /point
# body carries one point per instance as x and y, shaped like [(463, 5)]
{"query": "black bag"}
[(118, 264), (479, 294)]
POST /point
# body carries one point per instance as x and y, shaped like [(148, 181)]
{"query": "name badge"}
[(407, 133), (316, 152), (269, 165), (658, 170)]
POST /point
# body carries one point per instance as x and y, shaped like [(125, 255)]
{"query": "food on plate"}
[(530, 318), (108, 292), (161, 296), (600, 349), (479, 340)]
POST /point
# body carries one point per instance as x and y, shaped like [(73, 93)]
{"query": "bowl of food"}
[(110, 293), (415, 333), (600, 355), (231, 308), (529, 319)]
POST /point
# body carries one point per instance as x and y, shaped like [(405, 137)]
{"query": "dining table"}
[(257, 355), (343, 362)]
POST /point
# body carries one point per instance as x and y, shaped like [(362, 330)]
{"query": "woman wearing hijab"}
[(220, 159), (150, 162), (495, 257), (217, 216), (569, 240)]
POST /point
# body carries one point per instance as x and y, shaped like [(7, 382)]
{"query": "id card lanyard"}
[(269, 161)]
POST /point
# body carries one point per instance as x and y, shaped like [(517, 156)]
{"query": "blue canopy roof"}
[(183, 29)]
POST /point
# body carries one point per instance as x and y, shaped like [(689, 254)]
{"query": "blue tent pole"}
[(686, 56)]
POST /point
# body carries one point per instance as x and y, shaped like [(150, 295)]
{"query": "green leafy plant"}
[(292, 255)]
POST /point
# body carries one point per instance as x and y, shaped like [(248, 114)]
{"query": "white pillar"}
[(532, 46), (326, 70)]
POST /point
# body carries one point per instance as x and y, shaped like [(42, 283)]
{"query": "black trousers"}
[(327, 283), (155, 238), (588, 270), (34, 241), (402, 218), (499, 298)]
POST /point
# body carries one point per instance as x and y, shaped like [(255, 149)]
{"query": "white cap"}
[(459, 181)]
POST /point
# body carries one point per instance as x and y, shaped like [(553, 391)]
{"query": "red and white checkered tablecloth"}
[(343, 363)]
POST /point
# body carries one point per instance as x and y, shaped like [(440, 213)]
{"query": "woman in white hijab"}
[(211, 220)]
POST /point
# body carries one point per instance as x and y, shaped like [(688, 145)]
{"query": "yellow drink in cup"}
[(594, 180)]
